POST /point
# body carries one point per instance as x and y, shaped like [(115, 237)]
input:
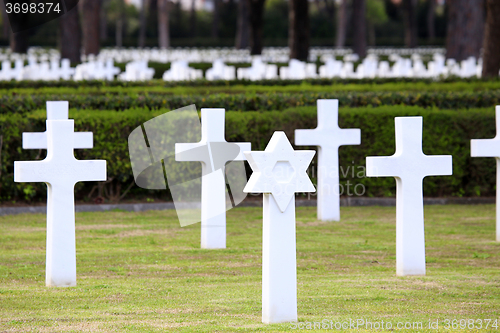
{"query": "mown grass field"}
[(143, 272)]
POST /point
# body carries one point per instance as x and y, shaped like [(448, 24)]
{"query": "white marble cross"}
[(64, 72), (61, 171), (409, 166), (213, 182), (106, 71), (279, 172), (491, 148), (328, 136)]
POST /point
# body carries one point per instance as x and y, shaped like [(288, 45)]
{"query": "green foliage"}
[(249, 101), (353, 84), (375, 11), (445, 132)]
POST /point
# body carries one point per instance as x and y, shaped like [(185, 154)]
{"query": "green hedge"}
[(472, 82), (445, 132), (251, 102)]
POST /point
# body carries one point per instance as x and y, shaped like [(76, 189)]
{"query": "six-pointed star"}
[(279, 170)]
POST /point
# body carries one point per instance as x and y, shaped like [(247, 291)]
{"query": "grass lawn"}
[(143, 272)]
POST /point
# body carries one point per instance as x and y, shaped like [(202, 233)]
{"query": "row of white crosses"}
[(227, 54), (370, 67), (259, 70), (54, 70), (220, 71), (137, 71), (279, 172), (96, 70), (180, 71)]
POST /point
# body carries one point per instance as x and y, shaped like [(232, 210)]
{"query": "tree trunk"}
[(411, 26), (142, 24), (431, 24), (298, 29), (5, 21), (371, 34), (91, 10), (465, 29), (491, 46), (163, 24), (341, 24), (242, 33), (192, 19), (359, 29), (104, 22), (70, 35), (215, 19), (120, 23), (256, 18), (19, 42)]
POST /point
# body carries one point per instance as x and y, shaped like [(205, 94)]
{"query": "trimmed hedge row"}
[(445, 132), (20, 104), (204, 83)]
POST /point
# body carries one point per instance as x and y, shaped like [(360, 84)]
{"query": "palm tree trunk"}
[(359, 20), (163, 24), (70, 36), (119, 23), (410, 18), (19, 42), (142, 24), (192, 19), (491, 46), (256, 16), (91, 14), (104, 22), (431, 24), (341, 24), (215, 19), (242, 31), (465, 29), (5, 22), (298, 29)]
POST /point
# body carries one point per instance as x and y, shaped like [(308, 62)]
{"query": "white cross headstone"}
[(61, 171), (331, 68), (64, 72), (279, 172), (213, 183), (409, 166), (107, 71), (7, 73), (328, 136), (490, 148)]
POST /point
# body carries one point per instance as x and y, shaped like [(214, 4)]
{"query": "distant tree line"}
[(465, 27)]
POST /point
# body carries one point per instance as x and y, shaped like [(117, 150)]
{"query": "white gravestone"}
[(328, 136), (64, 72), (213, 182), (490, 148), (409, 166), (279, 172), (61, 171)]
